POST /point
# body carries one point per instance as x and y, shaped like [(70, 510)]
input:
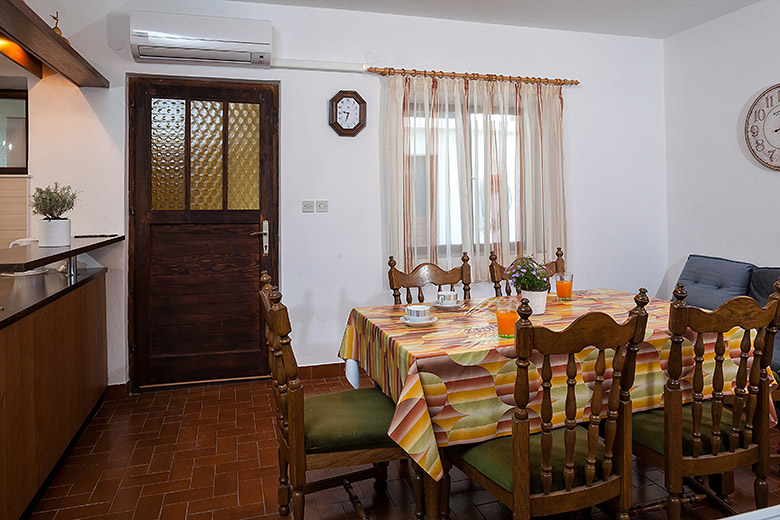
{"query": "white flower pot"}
[(54, 233), (537, 300)]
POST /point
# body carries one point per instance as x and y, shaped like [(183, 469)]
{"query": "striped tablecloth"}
[(453, 381)]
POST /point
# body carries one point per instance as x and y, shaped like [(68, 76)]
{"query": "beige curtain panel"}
[(472, 165)]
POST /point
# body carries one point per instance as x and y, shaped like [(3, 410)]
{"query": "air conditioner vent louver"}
[(172, 38)]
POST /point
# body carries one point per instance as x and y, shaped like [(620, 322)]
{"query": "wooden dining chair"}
[(498, 271), (706, 437), (428, 273), (567, 468), (333, 430)]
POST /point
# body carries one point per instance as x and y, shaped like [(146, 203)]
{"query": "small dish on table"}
[(456, 307), (428, 323)]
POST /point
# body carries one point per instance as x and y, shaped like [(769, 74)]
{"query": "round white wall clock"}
[(762, 128)]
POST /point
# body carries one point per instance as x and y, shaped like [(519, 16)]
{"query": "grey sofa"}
[(710, 281)]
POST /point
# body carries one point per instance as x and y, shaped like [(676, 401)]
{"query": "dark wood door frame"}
[(269, 157)]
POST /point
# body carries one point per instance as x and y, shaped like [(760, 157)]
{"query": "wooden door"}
[(203, 182)]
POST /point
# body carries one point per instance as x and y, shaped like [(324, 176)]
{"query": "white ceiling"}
[(648, 18)]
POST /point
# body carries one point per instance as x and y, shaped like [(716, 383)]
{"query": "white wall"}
[(614, 146), (721, 201)]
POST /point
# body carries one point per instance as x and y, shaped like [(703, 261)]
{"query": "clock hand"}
[(777, 129)]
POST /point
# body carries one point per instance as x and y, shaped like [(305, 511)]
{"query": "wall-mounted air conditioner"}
[(163, 37)]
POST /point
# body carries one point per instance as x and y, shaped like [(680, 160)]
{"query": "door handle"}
[(265, 235)]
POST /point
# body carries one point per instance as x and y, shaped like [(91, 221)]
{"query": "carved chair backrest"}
[(287, 387), (498, 271), (428, 273), (598, 331), (749, 385)]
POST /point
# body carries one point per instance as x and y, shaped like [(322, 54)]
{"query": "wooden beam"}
[(20, 23)]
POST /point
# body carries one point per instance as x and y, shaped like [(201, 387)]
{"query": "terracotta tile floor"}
[(209, 452)]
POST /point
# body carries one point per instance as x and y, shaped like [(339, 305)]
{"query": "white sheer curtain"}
[(474, 166)]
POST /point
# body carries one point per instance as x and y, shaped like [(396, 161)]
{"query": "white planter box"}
[(537, 300), (54, 233)]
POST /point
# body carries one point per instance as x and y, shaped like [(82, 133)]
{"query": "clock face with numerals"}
[(347, 113), (762, 128)]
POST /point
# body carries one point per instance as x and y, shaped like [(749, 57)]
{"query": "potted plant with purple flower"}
[(531, 280)]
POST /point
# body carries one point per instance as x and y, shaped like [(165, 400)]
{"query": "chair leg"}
[(419, 492), (297, 504), (444, 504), (432, 490), (673, 501), (284, 486), (722, 484), (761, 491), (673, 507), (673, 481), (380, 483)]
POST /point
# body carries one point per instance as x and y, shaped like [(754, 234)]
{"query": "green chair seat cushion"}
[(493, 459), (648, 429), (349, 420)]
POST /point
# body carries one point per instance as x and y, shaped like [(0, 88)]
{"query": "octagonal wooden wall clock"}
[(347, 113)]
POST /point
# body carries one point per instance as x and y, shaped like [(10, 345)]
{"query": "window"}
[(472, 166)]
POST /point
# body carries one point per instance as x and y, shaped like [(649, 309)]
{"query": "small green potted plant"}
[(531, 279), (51, 203)]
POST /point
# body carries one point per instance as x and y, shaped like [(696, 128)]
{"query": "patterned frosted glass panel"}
[(168, 153), (205, 155), (244, 156)]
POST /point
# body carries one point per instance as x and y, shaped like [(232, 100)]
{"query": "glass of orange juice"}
[(563, 283), (506, 316)]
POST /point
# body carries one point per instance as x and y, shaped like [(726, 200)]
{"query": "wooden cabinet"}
[(52, 373)]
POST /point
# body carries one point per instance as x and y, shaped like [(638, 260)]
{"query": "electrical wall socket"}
[(307, 206), (322, 206)]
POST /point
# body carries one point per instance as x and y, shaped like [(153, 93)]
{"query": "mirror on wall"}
[(13, 131)]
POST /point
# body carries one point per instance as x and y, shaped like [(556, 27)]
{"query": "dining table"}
[(453, 379)]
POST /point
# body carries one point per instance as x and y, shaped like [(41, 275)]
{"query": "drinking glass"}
[(563, 283), (506, 316)]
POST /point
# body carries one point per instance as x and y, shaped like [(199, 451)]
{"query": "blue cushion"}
[(711, 281), (762, 281), (775, 363)]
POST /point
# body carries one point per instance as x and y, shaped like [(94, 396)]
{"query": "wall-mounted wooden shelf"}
[(22, 25)]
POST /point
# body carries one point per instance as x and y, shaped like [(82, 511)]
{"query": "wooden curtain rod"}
[(466, 75)]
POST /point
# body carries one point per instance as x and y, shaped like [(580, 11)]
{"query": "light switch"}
[(307, 206), (322, 206)]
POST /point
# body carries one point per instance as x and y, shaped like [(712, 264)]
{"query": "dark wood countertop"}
[(22, 295), (24, 258)]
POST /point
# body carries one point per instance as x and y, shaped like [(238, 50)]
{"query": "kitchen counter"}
[(24, 258), (23, 295), (53, 362)]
